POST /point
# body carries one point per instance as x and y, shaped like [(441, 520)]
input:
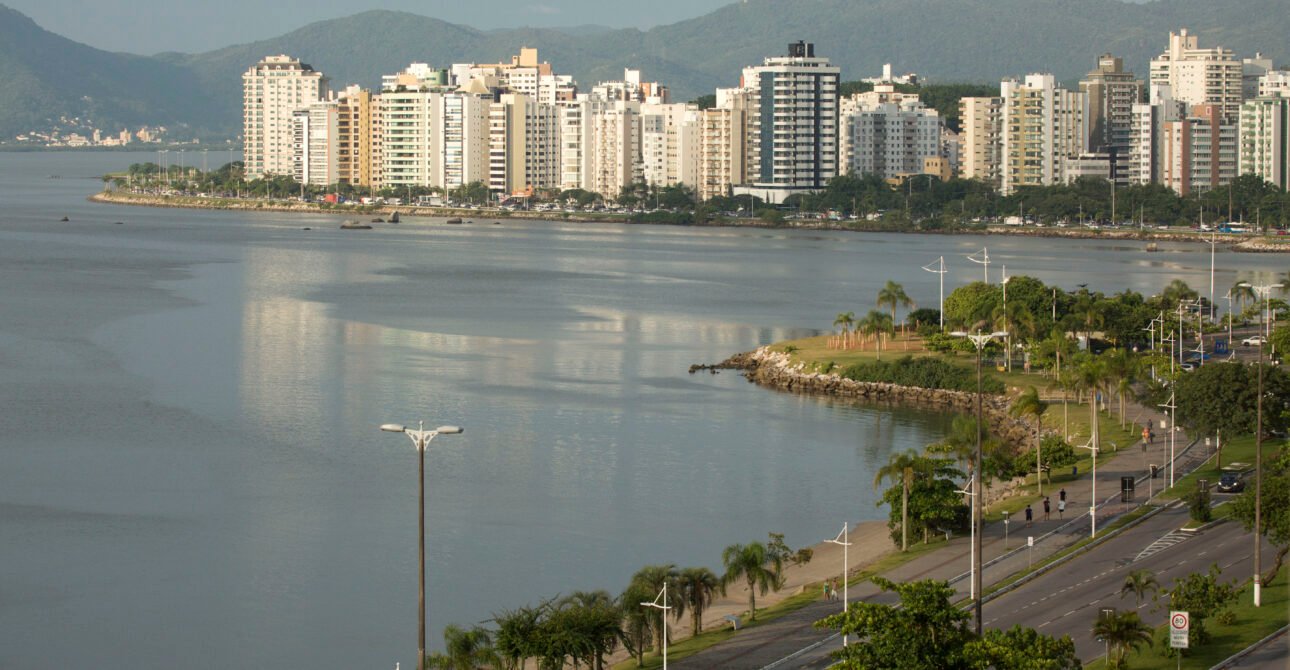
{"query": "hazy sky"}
[(151, 26)]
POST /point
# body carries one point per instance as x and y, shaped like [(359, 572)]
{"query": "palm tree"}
[(1030, 404), (877, 324), (846, 320), (652, 578), (900, 470), (696, 589), (1242, 293), (751, 563), (1089, 312), (1122, 368), (1091, 376), (960, 442), (1140, 583), (1177, 291), (893, 295), (1123, 632), (465, 650)]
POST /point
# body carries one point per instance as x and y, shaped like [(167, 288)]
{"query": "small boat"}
[(456, 220), (1151, 246), (497, 223), (64, 219), (352, 224), (378, 220)]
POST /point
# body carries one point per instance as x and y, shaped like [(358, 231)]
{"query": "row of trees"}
[(584, 627)]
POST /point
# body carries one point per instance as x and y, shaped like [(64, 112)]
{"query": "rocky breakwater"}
[(1264, 245)]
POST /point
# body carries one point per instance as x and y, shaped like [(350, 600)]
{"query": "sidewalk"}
[(765, 645)]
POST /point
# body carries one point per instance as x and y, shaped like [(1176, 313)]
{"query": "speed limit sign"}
[(1179, 625)]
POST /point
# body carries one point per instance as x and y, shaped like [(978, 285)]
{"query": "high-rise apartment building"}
[(1274, 83), (1199, 152), (793, 124), (1199, 76), (670, 144), (1265, 139), (356, 137), (723, 144), (888, 139), (981, 140), (1147, 141), (615, 147), (1112, 92), (1043, 125), (524, 145), (315, 144), (272, 91)]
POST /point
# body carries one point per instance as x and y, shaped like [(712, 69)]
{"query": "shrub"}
[(1198, 506), (931, 373)]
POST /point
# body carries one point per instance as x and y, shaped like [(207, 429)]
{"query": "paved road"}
[(1275, 655)]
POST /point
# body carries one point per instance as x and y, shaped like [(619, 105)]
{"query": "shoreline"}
[(1236, 244)]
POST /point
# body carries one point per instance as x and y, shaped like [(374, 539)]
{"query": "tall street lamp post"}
[(984, 261), (843, 539), (1173, 431), (1264, 292), (421, 439), (662, 596), (939, 266), (980, 340), (1092, 504)]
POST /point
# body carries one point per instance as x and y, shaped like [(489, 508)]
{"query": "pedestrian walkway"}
[(771, 644)]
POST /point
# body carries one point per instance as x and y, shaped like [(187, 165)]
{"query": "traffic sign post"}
[(1030, 545), (1179, 627)]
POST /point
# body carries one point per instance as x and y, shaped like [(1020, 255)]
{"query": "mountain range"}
[(47, 77)]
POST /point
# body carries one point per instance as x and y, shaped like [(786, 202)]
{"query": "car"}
[(1188, 367), (1231, 482), (1254, 341)]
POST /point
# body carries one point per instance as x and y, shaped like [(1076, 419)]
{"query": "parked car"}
[(1231, 482), (1188, 366), (1255, 341)]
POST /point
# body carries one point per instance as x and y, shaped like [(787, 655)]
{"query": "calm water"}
[(191, 468)]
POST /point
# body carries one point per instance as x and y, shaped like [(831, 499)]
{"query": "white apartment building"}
[(1265, 139), (1043, 125), (272, 90), (464, 143), (615, 148), (793, 124), (887, 139), (525, 75), (410, 120), (631, 88), (315, 150), (1252, 72), (1199, 76), (981, 139), (1274, 83), (670, 144), (1147, 141), (576, 142), (723, 143), (524, 145)]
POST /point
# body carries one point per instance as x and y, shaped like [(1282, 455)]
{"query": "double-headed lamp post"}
[(421, 439), (843, 540), (980, 340), (1092, 503), (662, 596), (1265, 292)]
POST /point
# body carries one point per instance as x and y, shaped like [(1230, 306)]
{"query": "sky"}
[(152, 26)]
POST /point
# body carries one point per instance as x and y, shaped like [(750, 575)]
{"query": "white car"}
[(1255, 341)]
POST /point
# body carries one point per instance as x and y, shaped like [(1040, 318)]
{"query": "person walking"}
[(1030, 515), (1061, 508), (1061, 495), (1047, 509)]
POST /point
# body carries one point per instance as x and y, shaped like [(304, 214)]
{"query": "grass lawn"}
[(817, 353), (1239, 450), (1251, 625)]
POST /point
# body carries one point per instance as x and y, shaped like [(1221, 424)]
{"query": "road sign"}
[(1179, 625), (1030, 540)]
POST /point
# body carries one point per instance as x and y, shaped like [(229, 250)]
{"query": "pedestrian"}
[(1061, 508), (1047, 509), (1146, 434), (1061, 495), (1151, 436), (835, 589), (1030, 514), (826, 590)]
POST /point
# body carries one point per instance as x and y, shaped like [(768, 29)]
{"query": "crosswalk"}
[(1169, 540)]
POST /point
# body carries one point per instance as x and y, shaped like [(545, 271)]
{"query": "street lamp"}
[(967, 491), (980, 340), (421, 439), (662, 595), (1173, 430), (984, 261), (1265, 292), (940, 270), (844, 540), (1092, 504)]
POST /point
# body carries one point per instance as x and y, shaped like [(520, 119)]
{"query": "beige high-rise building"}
[(1199, 76), (524, 145), (981, 140), (615, 148), (356, 137), (1200, 152), (670, 140), (1112, 92), (272, 91), (723, 144), (1043, 125)]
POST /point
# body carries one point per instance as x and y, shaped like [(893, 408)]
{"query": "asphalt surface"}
[(1274, 655)]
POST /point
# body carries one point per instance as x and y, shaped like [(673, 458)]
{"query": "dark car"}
[(1231, 482)]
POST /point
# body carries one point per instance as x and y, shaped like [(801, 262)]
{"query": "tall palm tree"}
[(1177, 291), (1089, 313), (1122, 368), (959, 442), (1123, 632), (751, 563), (1242, 293), (900, 469), (1140, 583), (696, 589), (1030, 404), (846, 320), (465, 650), (876, 324), (652, 578), (893, 295), (1090, 376)]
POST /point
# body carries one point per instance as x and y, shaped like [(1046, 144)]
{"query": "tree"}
[(1222, 397), (1090, 376), (1201, 596), (651, 579), (636, 620), (933, 504), (1122, 370), (1030, 404), (1140, 583), (1123, 632), (1021, 649), (900, 471), (751, 563), (1242, 293), (876, 324), (696, 589), (967, 305), (846, 320), (1275, 512), (516, 638), (925, 632), (465, 650), (893, 295)]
